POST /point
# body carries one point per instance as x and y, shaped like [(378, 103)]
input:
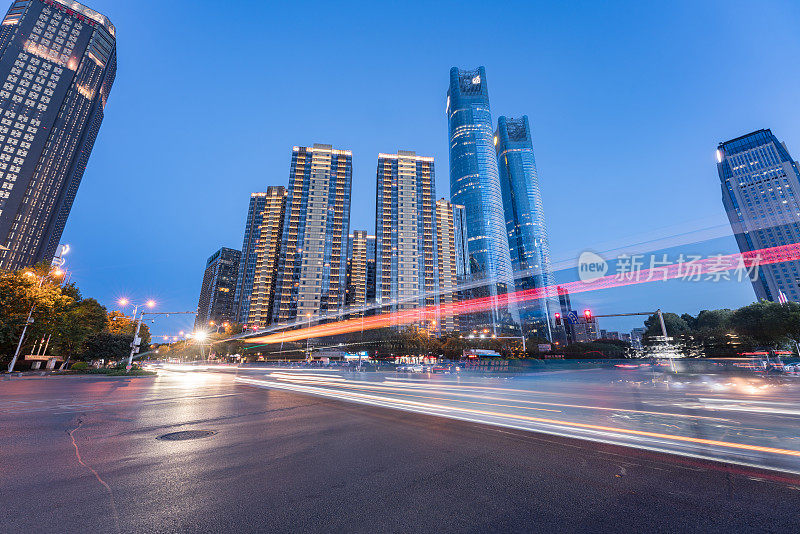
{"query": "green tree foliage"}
[(36, 291), (64, 322), (674, 324), (76, 324), (107, 346), (730, 332)]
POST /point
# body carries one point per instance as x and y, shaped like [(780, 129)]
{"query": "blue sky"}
[(627, 102)]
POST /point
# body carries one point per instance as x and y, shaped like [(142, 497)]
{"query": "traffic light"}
[(558, 319), (587, 314)]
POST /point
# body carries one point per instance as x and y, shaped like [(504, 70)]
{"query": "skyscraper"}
[(360, 269), (268, 247), (525, 222), (247, 270), (313, 262), (57, 65), (475, 184), (761, 194), (446, 256), (219, 283), (405, 259)]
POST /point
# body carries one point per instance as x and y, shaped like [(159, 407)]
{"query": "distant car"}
[(411, 368)]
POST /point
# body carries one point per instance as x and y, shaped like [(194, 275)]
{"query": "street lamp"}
[(135, 343), (57, 273)]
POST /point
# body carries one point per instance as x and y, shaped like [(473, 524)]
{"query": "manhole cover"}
[(187, 434)]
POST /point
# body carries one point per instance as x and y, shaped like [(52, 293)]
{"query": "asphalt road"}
[(722, 416), (81, 454)]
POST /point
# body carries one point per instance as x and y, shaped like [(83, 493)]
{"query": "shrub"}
[(79, 366)]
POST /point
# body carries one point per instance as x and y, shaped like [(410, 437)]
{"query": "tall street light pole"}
[(135, 343), (29, 319)]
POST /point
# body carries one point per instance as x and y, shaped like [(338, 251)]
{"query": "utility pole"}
[(28, 321), (661, 320), (135, 342)]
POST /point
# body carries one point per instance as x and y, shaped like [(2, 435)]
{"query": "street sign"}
[(572, 317)]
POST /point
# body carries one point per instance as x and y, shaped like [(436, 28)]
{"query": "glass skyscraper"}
[(761, 194), (57, 65), (312, 270), (525, 221), (475, 184)]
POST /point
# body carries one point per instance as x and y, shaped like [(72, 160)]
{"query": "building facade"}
[(219, 285), (475, 184), (360, 269), (313, 262), (268, 248), (57, 66), (447, 262), (247, 271), (526, 228), (405, 256), (761, 194), (460, 236)]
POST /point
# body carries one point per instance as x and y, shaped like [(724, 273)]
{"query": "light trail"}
[(707, 267), (459, 413), (349, 385)]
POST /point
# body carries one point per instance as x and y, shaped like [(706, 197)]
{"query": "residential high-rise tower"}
[(247, 270), (57, 64), (268, 247), (360, 269), (446, 257), (405, 257), (313, 262)]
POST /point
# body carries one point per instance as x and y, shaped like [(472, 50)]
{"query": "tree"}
[(36, 291), (81, 320), (770, 324), (107, 346), (675, 325), (119, 323)]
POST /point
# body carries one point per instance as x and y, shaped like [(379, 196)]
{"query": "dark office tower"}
[(360, 269), (475, 184), (525, 222), (247, 270), (57, 65), (761, 193), (219, 284), (268, 247), (313, 263), (405, 232)]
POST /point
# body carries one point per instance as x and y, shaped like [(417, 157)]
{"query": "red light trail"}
[(715, 266)]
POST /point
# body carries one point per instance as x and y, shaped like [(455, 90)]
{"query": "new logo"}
[(591, 267)]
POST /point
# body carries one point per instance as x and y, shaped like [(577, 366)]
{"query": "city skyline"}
[(692, 185)]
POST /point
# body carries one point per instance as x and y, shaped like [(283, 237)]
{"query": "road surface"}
[(82, 454), (724, 416)]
